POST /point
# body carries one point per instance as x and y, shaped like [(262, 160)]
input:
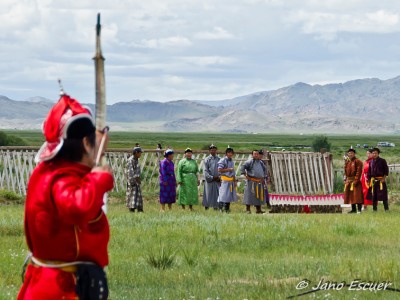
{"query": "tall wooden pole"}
[(100, 98)]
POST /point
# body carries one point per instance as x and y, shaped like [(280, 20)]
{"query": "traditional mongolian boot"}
[(268, 204), (226, 207), (386, 205), (248, 211), (353, 209), (258, 210), (221, 206)]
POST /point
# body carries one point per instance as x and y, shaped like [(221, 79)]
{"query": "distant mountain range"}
[(358, 106)]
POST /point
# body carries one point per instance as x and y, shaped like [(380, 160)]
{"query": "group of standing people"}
[(220, 181), (365, 183), (134, 198)]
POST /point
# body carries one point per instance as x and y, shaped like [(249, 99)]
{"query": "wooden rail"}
[(296, 173)]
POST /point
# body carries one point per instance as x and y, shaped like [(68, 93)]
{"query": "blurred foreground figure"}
[(66, 230)]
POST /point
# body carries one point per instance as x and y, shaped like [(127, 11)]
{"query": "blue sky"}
[(198, 50)]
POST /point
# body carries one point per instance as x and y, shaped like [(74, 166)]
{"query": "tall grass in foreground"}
[(208, 255)]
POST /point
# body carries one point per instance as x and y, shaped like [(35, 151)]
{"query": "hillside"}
[(362, 106)]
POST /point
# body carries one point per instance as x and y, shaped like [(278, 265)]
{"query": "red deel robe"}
[(365, 183), (64, 222)]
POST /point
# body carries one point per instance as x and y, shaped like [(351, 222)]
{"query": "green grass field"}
[(240, 142), (208, 255)]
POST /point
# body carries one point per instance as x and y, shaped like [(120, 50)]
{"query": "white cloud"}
[(193, 49), (17, 16), (209, 60), (173, 80), (327, 24), (163, 43), (218, 33), (384, 20)]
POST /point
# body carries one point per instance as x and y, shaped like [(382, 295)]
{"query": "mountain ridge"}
[(356, 106)]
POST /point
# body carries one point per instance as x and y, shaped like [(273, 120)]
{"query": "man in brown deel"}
[(352, 185)]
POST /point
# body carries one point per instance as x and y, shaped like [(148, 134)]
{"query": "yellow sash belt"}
[(229, 179), (373, 181), (351, 179), (226, 178), (258, 193), (351, 186), (255, 179), (258, 190)]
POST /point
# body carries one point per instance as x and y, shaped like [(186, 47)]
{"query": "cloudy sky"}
[(193, 49)]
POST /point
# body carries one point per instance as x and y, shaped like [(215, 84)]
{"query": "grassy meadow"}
[(239, 141), (208, 255)]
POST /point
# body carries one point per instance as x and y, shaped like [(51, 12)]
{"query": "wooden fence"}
[(302, 173), (16, 165), (291, 173)]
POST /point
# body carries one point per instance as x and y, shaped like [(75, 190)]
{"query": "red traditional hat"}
[(67, 119)]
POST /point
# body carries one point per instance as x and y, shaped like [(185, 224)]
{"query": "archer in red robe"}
[(64, 221)]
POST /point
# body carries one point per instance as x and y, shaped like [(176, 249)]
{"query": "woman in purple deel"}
[(167, 180)]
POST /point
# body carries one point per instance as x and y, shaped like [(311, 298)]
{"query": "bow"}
[(100, 99), (100, 90)]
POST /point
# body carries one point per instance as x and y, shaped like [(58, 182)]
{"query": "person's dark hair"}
[(73, 150), (377, 150), (228, 150), (137, 150), (351, 150), (159, 146), (252, 152)]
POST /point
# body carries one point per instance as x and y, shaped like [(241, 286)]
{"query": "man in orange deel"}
[(352, 184)]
